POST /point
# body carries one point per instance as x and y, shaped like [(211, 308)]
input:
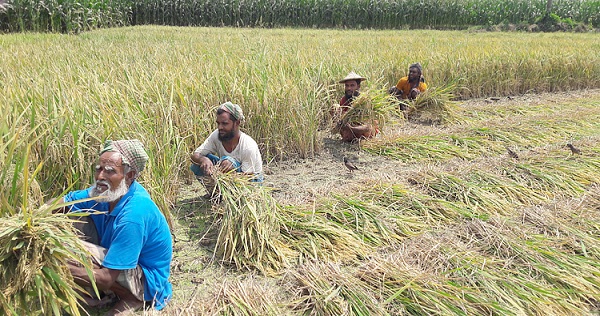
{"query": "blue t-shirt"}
[(135, 232)]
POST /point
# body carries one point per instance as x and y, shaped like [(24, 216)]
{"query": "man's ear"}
[(129, 177)]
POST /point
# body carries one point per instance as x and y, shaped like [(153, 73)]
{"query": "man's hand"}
[(203, 162), (225, 165)]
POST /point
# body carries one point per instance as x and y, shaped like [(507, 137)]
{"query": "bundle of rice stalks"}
[(35, 244), (247, 296), (434, 106), (375, 107), (34, 249), (405, 288), (249, 226), (326, 289), (315, 236)]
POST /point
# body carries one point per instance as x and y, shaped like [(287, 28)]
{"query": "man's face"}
[(413, 74), (228, 128), (111, 180), (351, 86)]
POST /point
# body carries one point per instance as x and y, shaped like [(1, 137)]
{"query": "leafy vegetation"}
[(75, 16)]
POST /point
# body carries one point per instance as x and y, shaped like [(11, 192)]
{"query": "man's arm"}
[(105, 278)]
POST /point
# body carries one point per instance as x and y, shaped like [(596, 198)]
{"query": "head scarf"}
[(418, 66), (132, 153), (233, 109)]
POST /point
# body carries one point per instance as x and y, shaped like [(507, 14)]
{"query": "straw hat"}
[(353, 76)]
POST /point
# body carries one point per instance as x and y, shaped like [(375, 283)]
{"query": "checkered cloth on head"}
[(233, 109), (131, 150)]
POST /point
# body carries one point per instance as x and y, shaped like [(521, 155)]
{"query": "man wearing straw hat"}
[(129, 237), (351, 91), (227, 148), (411, 86)]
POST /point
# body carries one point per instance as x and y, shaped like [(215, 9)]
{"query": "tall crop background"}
[(72, 16), (162, 85)]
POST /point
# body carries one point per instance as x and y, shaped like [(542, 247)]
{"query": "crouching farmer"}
[(227, 149), (127, 235)]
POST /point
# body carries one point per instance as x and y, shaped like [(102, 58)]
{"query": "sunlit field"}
[(463, 230)]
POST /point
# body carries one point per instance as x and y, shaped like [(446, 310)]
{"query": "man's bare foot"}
[(125, 307)]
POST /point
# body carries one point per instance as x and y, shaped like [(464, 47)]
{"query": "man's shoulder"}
[(247, 138), (213, 136), (138, 197)]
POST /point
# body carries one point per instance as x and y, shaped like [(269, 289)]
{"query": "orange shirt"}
[(405, 86)]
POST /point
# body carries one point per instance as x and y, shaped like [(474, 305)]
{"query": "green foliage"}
[(62, 16), (552, 22), (353, 14), (73, 16)]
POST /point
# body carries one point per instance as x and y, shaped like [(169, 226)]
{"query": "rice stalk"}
[(247, 297)]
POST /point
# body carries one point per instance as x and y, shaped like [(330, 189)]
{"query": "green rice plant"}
[(451, 187), (367, 220), (556, 176), (418, 148), (486, 132)]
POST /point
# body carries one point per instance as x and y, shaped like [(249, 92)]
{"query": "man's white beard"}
[(110, 195)]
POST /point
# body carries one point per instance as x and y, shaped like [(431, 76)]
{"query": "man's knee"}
[(196, 170)]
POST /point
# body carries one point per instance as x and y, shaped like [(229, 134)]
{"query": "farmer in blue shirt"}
[(128, 236)]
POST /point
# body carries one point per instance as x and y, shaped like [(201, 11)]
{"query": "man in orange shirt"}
[(411, 86)]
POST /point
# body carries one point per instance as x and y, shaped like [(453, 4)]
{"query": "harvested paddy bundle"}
[(332, 289), (434, 106), (375, 107), (316, 236), (255, 232), (34, 249), (249, 225)]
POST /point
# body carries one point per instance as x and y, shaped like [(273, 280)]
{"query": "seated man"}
[(129, 237), (350, 131), (411, 86), (228, 148)]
